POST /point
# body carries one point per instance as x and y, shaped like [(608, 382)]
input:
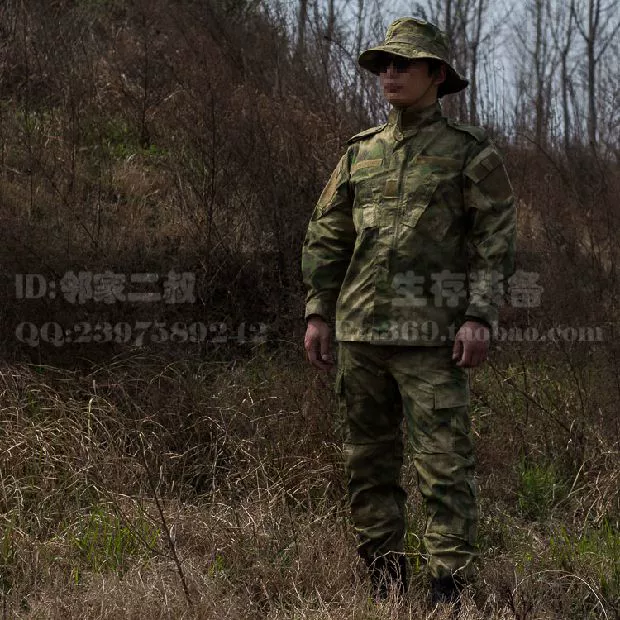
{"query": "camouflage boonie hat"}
[(415, 38)]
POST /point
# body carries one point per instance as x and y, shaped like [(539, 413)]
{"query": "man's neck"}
[(412, 117)]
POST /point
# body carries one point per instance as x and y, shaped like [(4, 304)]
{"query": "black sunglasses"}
[(400, 63)]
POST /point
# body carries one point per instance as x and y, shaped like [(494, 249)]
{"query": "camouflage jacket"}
[(413, 233)]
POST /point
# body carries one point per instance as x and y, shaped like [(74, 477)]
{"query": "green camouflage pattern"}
[(413, 233), (375, 386), (415, 38)]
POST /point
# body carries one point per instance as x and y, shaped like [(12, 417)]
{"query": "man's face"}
[(407, 82)]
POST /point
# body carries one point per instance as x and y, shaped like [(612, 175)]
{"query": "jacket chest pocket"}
[(433, 199), (367, 179)]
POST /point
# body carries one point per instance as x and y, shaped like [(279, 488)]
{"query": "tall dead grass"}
[(205, 481), (111, 477)]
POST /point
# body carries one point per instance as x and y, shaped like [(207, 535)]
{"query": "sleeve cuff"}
[(488, 316), (322, 308)]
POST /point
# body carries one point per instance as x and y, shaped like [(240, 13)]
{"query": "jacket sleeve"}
[(329, 243), (492, 233)]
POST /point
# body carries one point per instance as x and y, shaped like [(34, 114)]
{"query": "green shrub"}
[(540, 488), (108, 543), (594, 555)]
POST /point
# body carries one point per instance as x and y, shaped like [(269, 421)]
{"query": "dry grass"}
[(206, 482), (244, 462)]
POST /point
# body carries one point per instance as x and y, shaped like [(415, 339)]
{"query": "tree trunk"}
[(302, 19), (359, 37), (565, 106), (329, 33), (473, 63), (592, 121), (539, 62)]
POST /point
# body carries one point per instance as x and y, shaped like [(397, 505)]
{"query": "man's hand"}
[(471, 344), (317, 343)]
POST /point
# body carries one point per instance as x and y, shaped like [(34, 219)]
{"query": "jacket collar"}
[(408, 120)]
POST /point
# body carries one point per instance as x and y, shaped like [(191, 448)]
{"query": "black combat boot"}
[(446, 591), (386, 572)]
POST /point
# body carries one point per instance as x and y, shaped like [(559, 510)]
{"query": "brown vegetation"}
[(204, 480)]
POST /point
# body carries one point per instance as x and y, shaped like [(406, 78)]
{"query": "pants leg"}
[(370, 400), (435, 398)]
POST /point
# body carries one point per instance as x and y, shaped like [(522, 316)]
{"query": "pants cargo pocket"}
[(451, 395), (451, 417)]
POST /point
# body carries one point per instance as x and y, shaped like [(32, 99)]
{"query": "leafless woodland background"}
[(189, 480)]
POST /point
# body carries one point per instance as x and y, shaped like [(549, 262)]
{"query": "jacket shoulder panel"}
[(366, 133), (477, 132), (485, 162), (487, 171)]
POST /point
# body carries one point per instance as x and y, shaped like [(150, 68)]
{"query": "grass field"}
[(189, 489), (206, 481)]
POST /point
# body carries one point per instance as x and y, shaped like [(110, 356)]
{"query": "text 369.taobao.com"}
[(429, 331), (432, 332), (552, 334)]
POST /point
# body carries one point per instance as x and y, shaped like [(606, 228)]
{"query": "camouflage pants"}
[(376, 385)]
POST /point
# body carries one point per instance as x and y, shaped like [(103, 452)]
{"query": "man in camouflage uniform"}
[(407, 245)]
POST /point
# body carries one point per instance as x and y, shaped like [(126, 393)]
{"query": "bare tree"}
[(302, 20), (453, 16), (540, 63), (598, 25), (330, 29), (609, 96), (359, 39), (474, 41), (537, 64), (562, 30)]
